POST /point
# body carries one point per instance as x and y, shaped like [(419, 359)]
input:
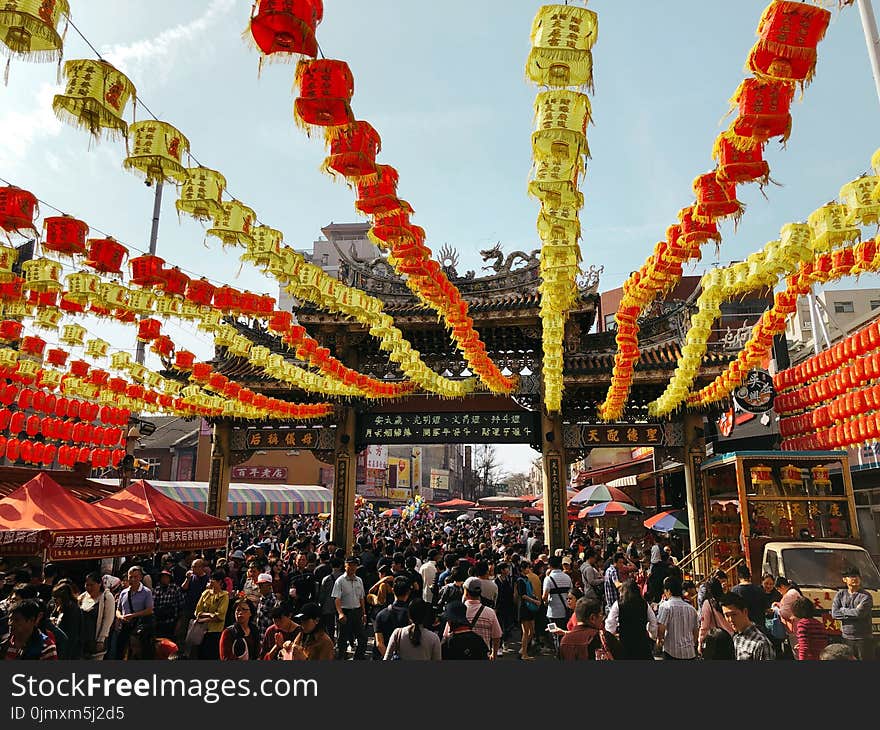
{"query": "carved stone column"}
[(344, 482), (555, 480)]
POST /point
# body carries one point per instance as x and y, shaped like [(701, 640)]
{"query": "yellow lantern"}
[(858, 197), (29, 28), (201, 194), (8, 357), (210, 319), (137, 372), (189, 310), (8, 257), (259, 356), (95, 97), (48, 318), (830, 227), (120, 360), (551, 228), (169, 306), (552, 170), (42, 275), (172, 387), (224, 335), (233, 226), (141, 301), (111, 295), (29, 368), (97, 348), (266, 243), (157, 151), (561, 118), (562, 36), (17, 310), (82, 287), (190, 391), (50, 378), (239, 345), (153, 380)]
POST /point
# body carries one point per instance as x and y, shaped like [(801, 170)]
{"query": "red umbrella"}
[(608, 509), (599, 493)]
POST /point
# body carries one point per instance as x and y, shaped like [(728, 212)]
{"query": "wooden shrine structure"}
[(504, 304)]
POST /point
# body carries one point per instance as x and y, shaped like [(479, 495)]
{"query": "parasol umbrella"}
[(390, 513), (669, 521), (600, 493), (464, 517), (608, 509)]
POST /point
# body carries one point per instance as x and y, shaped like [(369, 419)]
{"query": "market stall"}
[(179, 527), (43, 517)]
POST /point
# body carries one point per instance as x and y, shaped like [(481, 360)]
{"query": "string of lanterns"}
[(326, 87), (832, 225), (561, 59), (783, 58), (825, 267)]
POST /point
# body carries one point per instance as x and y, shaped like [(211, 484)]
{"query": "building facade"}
[(838, 309)]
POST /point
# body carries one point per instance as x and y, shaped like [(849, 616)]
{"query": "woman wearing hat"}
[(312, 642)]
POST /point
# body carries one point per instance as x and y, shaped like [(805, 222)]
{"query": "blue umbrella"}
[(669, 521)]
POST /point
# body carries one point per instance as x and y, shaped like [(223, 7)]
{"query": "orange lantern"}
[(353, 150), (325, 91), (106, 255), (172, 281), (65, 235), (715, 200), (764, 113), (740, 166), (789, 33), (378, 195), (146, 270), (18, 208), (149, 329), (286, 27), (694, 232), (200, 292)]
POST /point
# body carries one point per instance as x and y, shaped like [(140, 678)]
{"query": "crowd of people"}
[(432, 589)]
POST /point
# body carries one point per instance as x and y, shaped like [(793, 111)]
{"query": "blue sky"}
[(444, 86)]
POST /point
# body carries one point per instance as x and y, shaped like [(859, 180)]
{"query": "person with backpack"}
[(392, 617), (528, 605), (453, 591), (461, 642), (554, 594), (483, 619)]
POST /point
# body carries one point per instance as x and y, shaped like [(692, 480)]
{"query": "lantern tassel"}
[(6, 72)]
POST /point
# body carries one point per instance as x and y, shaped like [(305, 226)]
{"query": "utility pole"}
[(872, 38), (140, 352)]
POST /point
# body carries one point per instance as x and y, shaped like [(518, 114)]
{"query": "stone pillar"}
[(555, 481), (221, 463), (344, 482), (694, 454)]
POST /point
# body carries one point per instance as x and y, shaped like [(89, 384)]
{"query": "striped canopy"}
[(253, 499)]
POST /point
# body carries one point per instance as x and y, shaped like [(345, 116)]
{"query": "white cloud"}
[(133, 55), (25, 124)]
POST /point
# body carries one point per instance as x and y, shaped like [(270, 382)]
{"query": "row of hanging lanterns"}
[(862, 258), (560, 60), (783, 57)]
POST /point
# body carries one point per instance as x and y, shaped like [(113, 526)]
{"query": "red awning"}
[(42, 515), (180, 527), (455, 504)]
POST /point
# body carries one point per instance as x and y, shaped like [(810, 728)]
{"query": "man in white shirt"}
[(678, 625), (428, 571), (348, 592), (593, 577), (555, 592)]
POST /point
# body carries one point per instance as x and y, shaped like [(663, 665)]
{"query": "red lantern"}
[(715, 200), (280, 322), (287, 26), (18, 208), (79, 368), (227, 299), (232, 390), (694, 233), (247, 304), (149, 330), (49, 453), (135, 391), (13, 449), (788, 35), (98, 377), (325, 90), (12, 290), (5, 418), (741, 166), (73, 408), (200, 291), (27, 451), (117, 457), (184, 360), (84, 455), (174, 282), (33, 345), (764, 112), (217, 382), (377, 195), (163, 346), (106, 255), (65, 235), (69, 307), (353, 150), (117, 385), (10, 330), (201, 371), (16, 422), (842, 262), (56, 357), (146, 270)]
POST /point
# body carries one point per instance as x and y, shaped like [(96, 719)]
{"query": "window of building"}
[(843, 308), (875, 304), (610, 323), (325, 259), (806, 325)]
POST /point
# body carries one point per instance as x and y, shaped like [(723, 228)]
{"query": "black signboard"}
[(282, 438), (214, 485), (448, 428), (617, 435), (340, 497), (556, 508), (756, 394)]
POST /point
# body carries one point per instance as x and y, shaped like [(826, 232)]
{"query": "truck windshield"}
[(822, 567)]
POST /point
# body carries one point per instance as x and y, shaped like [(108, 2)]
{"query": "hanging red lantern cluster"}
[(788, 36), (286, 27), (785, 53), (18, 210)]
